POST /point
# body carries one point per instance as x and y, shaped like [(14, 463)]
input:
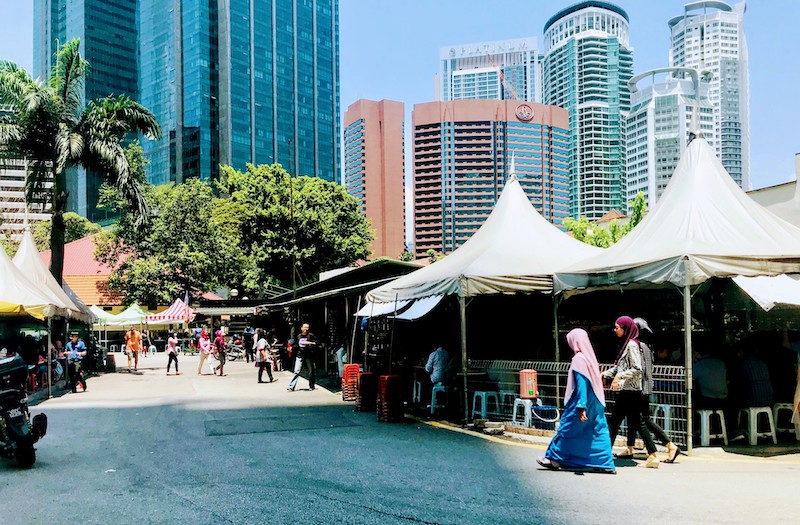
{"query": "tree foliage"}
[(49, 126), (303, 224), (585, 231), (76, 227), (176, 250)]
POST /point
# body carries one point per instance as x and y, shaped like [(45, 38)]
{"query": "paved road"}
[(205, 449)]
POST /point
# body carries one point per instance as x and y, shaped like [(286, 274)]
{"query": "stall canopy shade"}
[(378, 309), (132, 315), (703, 226), (29, 262), (19, 296), (178, 312), (101, 315), (515, 250), (420, 308), (771, 291)]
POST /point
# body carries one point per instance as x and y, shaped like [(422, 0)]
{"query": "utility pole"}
[(291, 216)]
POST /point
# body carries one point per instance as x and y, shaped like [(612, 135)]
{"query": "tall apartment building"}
[(661, 118), (230, 81), (12, 200), (505, 70), (107, 31), (462, 157), (709, 36), (586, 67), (374, 170)]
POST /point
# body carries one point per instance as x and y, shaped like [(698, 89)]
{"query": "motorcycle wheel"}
[(25, 456)]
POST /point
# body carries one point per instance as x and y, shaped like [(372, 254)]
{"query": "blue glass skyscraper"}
[(240, 81), (107, 31), (230, 81)]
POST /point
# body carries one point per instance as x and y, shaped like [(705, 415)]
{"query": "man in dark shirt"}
[(750, 381), (304, 357)]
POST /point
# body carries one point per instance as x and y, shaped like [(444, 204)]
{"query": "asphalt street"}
[(151, 448)]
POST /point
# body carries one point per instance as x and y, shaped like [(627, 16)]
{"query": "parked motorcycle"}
[(234, 350), (18, 432)]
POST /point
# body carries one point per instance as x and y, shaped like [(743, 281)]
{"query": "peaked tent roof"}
[(515, 250), (178, 312), (101, 315), (19, 296), (133, 314), (27, 259), (703, 226)]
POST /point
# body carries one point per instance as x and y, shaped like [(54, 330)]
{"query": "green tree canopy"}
[(303, 223), (48, 125), (76, 227), (176, 250), (585, 231)]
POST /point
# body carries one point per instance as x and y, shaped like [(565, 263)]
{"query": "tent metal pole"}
[(355, 328), (557, 346), (49, 358), (687, 335), (462, 307), (391, 336)]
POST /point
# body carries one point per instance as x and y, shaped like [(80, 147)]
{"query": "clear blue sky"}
[(389, 49)]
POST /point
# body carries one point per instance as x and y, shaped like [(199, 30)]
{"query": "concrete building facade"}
[(504, 70), (587, 63), (374, 170), (462, 154), (657, 128), (12, 201), (709, 36)]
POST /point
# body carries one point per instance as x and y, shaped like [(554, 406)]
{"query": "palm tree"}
[(49, 126)]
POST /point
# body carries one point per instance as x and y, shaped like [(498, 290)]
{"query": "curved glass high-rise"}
[(587, 63), (709, 36)]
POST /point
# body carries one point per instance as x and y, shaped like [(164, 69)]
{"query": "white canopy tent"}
[(516, 250), (19, 296), (28, 261), (703, 226), (132, 315)]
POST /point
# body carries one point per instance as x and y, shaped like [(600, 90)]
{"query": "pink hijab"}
[(584, 362)]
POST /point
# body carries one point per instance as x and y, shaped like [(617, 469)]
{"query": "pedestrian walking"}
[(263, 356), (627, 382), (219, 351), (306, 342), (172, 352), (133, 341), (582, 440), (647, 390), (205, 349)]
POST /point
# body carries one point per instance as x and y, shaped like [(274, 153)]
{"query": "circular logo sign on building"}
[(524, 112)]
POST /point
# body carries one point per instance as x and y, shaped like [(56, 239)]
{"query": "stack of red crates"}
[(350, 382), (390, 399), (367, 392)]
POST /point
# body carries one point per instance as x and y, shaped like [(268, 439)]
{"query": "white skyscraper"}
[(709, 36), (658, 126), (502, 70)]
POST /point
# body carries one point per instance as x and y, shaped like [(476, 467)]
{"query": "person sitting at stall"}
[(750, 381), (438, 362), (76, 351)]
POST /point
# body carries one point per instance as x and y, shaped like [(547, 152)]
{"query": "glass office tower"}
[(587, 64), (230, 81), (107, 31)]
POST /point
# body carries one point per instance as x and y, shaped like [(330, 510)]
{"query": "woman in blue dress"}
[(582, 441)]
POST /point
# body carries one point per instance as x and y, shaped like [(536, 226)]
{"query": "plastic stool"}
[(416, 396), (484, 397), (113, 348), (507, 398), (777, 408), (526, 405), (437, 389), (752, 414), (705, 427), (663, 412)]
